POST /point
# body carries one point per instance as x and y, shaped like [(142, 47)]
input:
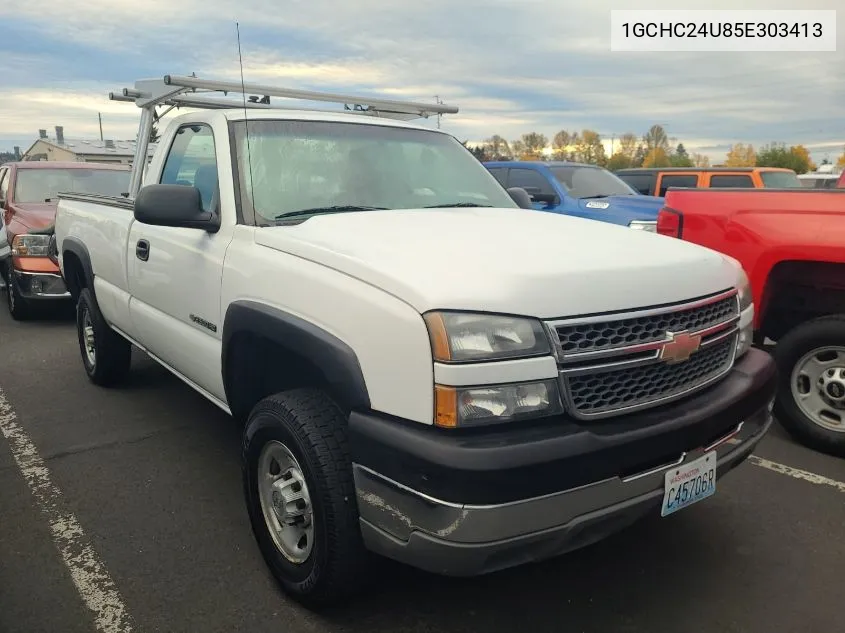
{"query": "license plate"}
[(688, 484)]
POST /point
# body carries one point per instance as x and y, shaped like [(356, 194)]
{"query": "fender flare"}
[(334, 358), (75, 246)]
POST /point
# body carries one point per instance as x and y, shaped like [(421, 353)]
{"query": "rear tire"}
[(809, 360), (106, 355), (318, 558)]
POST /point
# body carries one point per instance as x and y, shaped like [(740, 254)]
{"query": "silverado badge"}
[(680, 347)]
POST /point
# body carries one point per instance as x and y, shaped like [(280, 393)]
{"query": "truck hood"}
[(35, 215), (635, 207), (513, 261)]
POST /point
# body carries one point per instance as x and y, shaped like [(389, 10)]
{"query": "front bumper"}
[(40, 286), (445, 534)]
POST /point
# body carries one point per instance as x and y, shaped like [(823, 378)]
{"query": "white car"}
[(424, 370)]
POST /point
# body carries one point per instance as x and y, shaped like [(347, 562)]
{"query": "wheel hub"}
[(818, 387), (88, 337), (285, 502), (832, 385)]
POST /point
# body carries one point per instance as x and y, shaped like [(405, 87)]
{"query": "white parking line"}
[(92, 581), (797, 473)]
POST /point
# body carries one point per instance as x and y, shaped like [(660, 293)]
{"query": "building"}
[(61, 148)]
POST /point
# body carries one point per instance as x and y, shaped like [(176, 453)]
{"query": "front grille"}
[(615, 364), (603, 392), (591, 337)]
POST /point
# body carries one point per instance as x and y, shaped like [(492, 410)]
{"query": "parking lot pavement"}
[(150, 472)]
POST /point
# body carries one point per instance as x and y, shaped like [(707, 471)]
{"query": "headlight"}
[(744, 287), (460, 337), (746, 305), (492, 404), (31, 245), (643, 225)]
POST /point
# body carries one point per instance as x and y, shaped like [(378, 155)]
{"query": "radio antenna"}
[(246, 121)]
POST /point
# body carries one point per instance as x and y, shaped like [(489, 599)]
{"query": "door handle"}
[(142, 250)]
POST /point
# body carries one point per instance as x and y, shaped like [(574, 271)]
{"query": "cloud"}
[(512, 66)]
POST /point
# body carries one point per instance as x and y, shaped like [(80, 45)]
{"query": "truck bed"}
[(101, 224)]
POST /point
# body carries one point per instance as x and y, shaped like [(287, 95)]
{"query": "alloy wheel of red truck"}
[(811, 393)]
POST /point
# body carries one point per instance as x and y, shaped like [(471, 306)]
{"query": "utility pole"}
[(439, 102), (100, 117)]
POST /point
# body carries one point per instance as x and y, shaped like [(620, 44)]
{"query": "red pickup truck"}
[(28, 198), (791, 243)]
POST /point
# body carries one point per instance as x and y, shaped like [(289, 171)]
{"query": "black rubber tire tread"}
[(113, 353), (827, 330), (22, 310), (313, 428)]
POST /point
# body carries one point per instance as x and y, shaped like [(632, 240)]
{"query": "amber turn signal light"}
[(445, 407)]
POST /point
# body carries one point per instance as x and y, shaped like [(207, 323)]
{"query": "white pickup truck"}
[(424, 369)]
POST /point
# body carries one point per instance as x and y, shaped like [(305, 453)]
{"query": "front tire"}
[(300, 496), (811, 392), (19, 308), (106, 355)]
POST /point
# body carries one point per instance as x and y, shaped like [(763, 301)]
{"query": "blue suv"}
[(585, 191)]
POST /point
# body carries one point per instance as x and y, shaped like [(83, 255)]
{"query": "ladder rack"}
[(176, 91)]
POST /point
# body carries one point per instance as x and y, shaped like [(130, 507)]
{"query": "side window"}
[(642, 183), (677, 180), (499, 174), (192, 162), (530, 180), (4, 184), (737, 180)]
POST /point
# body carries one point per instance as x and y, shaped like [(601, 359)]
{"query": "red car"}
[(28, 197), (791, 244), (840, 184)]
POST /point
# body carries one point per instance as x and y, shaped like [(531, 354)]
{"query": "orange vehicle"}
[(655, 181), (28, 198)]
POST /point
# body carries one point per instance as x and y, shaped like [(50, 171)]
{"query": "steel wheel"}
[(285, 502), (818, 387), (88, 334)]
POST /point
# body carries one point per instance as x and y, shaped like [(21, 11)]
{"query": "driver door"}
[(175, 273)]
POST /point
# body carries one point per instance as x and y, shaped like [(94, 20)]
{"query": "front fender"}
[(334, 358)]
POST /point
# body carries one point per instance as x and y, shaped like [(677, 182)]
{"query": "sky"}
[(511, 66)]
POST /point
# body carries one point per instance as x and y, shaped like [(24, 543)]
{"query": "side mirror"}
[(174, 205), (521, 197)]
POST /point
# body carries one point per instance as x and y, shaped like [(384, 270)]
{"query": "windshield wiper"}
[(456, 204), (333, 209)]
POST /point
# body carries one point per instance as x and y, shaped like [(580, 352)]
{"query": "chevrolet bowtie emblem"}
[(680, 347)]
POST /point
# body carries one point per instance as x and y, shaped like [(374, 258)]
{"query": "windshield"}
[(591, 182), (300, 166), (39, 185), (780, 179)]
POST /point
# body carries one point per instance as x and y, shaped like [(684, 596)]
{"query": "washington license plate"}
[(688, 484)]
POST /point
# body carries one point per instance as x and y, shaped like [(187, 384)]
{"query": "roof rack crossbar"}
[(192, 92), (390, 105)]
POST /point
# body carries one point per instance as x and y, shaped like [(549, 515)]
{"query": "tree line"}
[(794, 157), (652, 149)]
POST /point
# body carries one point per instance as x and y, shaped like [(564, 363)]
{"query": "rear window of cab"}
[(780, 179)]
